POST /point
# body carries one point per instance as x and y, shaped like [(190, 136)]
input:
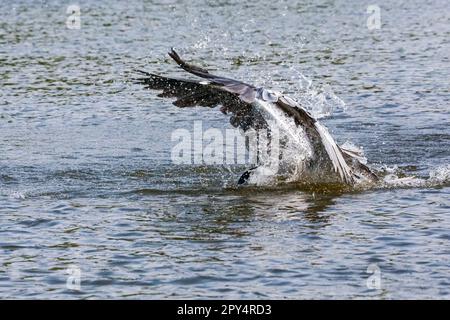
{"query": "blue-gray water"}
[(87, 182)]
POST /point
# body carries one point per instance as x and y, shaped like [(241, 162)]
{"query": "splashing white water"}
[(320, 101), (393, 181), (358, 152), (291, 143), (439, 176), (286, 127)]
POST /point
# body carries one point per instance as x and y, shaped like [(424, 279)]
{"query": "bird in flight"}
[(251, 108)]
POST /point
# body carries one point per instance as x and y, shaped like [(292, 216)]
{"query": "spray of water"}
[(439, 176), (319, 100), (293, 148)]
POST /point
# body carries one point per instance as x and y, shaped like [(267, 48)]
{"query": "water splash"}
[(319, 100), (295, 151), (357, 151), (287, 127), (286, 140), (440, 175), (395, 178)]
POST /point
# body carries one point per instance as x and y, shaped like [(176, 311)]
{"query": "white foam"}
[(320, 101), (437, 177), (295, 149), (440, 175)]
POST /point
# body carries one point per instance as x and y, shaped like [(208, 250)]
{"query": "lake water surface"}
[(88, 189)]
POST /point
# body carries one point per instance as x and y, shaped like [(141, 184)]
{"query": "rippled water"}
[(87, 183)]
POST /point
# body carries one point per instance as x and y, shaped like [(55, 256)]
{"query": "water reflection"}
[(233, 214)]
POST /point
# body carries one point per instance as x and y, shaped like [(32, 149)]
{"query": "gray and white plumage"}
[(239, 99)]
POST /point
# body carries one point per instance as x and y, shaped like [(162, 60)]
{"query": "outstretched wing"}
[(234, 96), (246, 92)]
